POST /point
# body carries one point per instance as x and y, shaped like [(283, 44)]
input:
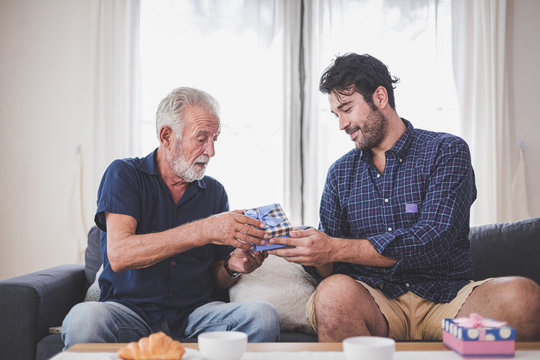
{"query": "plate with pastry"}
[(157, 346)]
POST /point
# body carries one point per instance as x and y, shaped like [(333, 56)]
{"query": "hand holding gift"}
[(277, 224)]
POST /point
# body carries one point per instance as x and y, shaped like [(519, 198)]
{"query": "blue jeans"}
[(100, 322)]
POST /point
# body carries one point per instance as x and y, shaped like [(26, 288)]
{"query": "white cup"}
[(222, 345), (369, 348)]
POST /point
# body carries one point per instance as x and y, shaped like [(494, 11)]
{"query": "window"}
[(251, 54), (234, 51)]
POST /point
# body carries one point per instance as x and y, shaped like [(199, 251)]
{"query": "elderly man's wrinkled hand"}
[(245, 261), (235, 229)]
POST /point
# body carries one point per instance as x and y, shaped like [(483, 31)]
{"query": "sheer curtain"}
[(245, 53), (263, 60), (480, 69), (112, 134), (412, 37)]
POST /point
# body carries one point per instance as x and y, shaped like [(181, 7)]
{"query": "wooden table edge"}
[(295, 347)]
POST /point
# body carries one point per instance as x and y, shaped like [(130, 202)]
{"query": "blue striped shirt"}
[(416, 212)]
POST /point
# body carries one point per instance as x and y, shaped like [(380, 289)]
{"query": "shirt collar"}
[(149, 166), (400, 148)]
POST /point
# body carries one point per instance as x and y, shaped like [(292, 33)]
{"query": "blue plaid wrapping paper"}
[(276, 222)]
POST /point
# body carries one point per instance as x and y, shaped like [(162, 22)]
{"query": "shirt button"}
[(400, 160), (378, 175), (389, 229), (386, 200), (173, 263), (407, 285)]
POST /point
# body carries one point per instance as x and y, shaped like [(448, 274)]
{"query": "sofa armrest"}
[(506, 249), (31, 303)]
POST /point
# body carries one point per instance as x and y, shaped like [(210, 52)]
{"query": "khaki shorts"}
[(409, 316)]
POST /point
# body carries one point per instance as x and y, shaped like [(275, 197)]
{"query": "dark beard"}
[(373, 132)]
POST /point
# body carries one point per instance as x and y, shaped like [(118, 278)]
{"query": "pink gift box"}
[(477, 337)]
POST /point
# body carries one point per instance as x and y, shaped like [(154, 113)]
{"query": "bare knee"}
[(338, 293), (343, 307), (332, 289), (513, 299), (522, 300), (519, 294)]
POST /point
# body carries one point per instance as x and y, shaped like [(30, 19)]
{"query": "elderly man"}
[(166, 240), (393, 251)]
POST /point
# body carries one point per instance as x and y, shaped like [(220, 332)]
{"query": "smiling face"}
[(365, 124), (189, 157)]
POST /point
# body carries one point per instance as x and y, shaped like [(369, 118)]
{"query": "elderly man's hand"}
[(235, 229), (246, 261)]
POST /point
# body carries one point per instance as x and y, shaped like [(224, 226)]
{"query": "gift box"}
[(268, 246), (478, 337), (277, 224)]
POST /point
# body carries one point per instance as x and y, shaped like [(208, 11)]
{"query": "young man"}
[(392, 252), (166, 239)]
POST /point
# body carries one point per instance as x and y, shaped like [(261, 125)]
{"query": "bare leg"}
[(515, 300), (345, 308)]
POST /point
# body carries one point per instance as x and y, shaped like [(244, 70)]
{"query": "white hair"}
[(170, 111)]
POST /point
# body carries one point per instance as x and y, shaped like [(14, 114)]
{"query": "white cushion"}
[(285, 285), (92, 294)]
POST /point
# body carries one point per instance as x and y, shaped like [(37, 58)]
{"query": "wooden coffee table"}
[(292, 347)]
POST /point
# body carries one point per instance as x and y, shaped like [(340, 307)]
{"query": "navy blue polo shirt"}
[(171, 289)]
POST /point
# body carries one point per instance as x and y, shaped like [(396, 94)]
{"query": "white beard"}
[(183, 170)]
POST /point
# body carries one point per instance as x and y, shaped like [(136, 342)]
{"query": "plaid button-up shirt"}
[(416, 212)]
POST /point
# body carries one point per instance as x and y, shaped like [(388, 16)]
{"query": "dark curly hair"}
[(363, 72)]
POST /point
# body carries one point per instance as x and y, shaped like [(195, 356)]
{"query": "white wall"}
[(45, 112), (44, 103)]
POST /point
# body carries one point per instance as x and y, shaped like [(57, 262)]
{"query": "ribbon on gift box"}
[(262, 214), (273, 217), (475, 320)]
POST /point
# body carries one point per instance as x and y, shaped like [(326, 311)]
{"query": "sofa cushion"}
[(506, 249), (285, 285), (92, 255)]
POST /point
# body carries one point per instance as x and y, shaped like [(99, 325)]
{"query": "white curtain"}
[(293, 111), (481, 78), (411, 37), (519, 206), (116, 87), (113, 132)]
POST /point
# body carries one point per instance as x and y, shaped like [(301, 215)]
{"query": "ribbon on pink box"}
[(475, 320)]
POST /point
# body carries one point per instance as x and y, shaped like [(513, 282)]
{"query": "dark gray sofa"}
[(32, 303)]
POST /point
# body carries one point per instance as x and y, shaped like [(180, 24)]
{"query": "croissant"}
[(157, 346)]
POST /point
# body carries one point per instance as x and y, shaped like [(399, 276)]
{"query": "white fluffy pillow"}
[(285, 285), (93, 292)]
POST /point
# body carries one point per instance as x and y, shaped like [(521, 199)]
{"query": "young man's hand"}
[(306, 247)]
